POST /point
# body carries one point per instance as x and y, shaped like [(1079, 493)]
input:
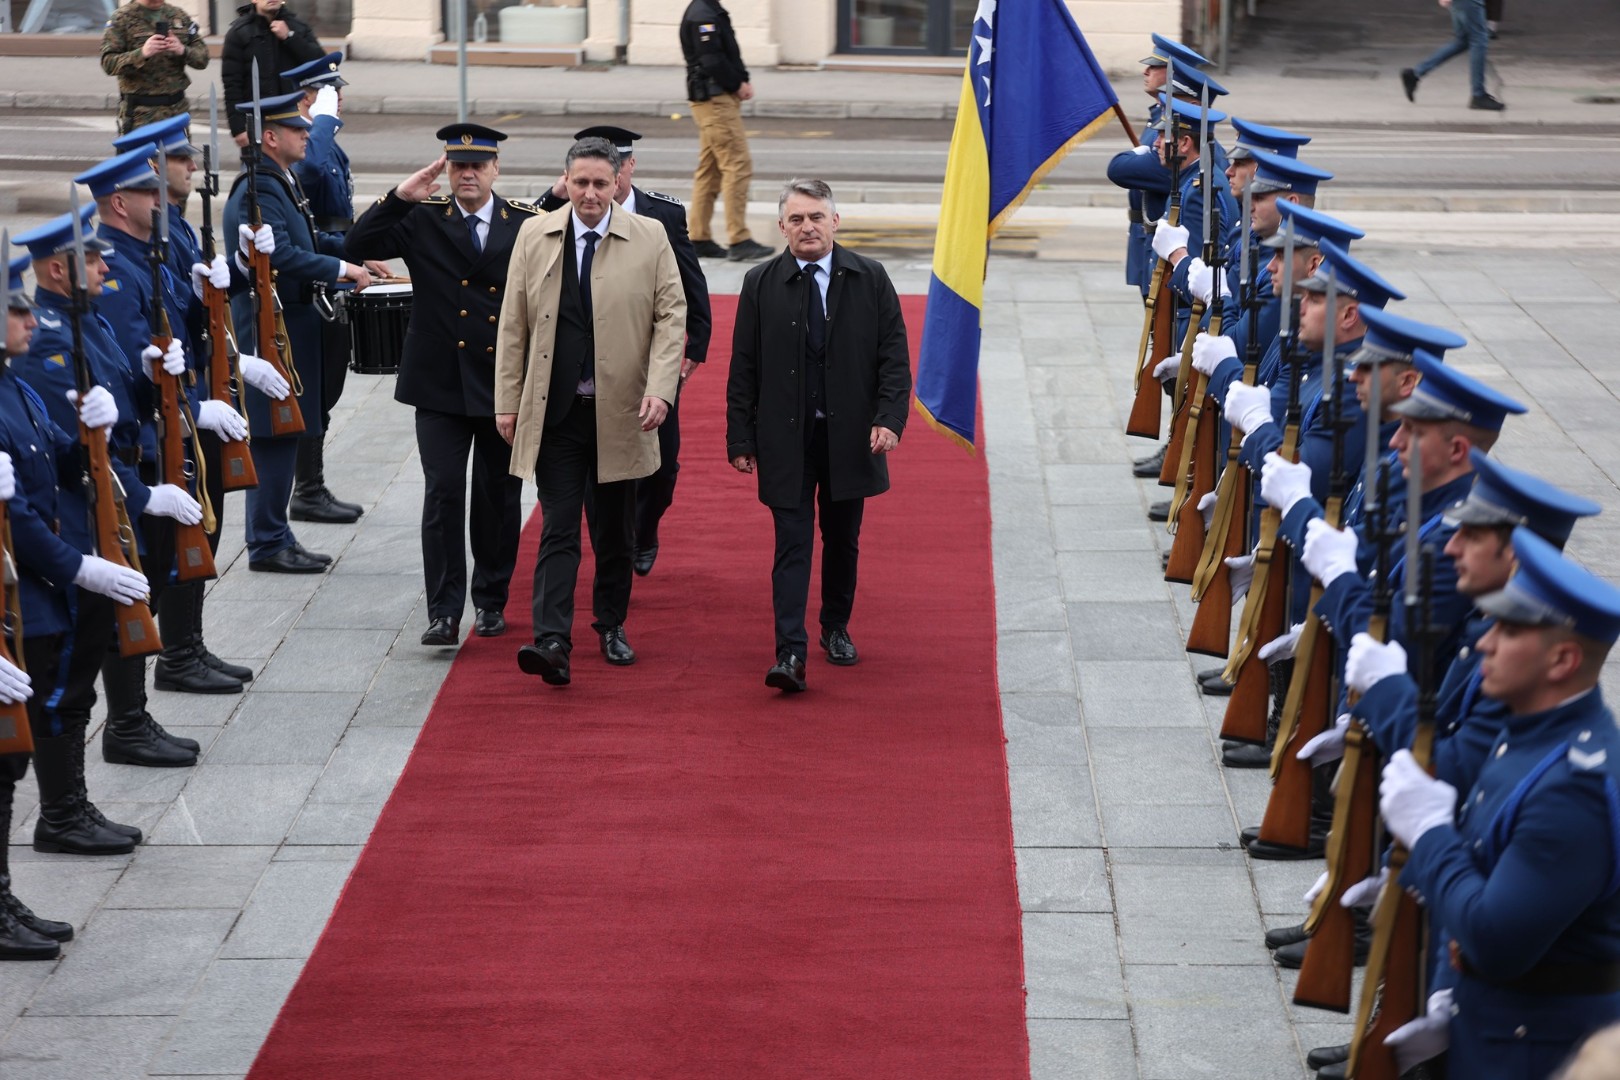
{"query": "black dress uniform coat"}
[(449, 360), (868, 373)]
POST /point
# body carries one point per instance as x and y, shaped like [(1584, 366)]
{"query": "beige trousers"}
[(724, 168)]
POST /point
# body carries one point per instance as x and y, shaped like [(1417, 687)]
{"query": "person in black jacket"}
[(447, 370), (816, 432), (655, 493), (265, 31), (716, 86)]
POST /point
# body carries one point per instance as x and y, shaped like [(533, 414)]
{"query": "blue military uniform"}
[(324, 173)]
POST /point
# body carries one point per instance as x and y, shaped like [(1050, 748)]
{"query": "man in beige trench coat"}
[(587, 361)]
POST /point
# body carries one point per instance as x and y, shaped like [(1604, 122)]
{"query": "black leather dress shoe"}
[(49, 928), (239, 672), (1335, 1071), (1323, 1056), (787, 674), (442, 631), (1292, 956), (1159, 511), (1409, 83), (840, 650), (1262, 849), (288, 561), (749, 251), (1151, 465), (1287, 935), (645, 557), (549, 660), (1211, 684), (1245, 756), (615, 648), (1249, 835), (324, 560), (321, 506), (487, 622), (708, 249), (1486, 102)]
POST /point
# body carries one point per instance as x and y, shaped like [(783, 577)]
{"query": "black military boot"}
[(240, 672), (1247, 755), (68, 823), (181, 666), (131, 736), (18, 925), (311, 501)]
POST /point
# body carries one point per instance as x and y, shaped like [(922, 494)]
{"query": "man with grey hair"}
[(819, 392), (587, 362)]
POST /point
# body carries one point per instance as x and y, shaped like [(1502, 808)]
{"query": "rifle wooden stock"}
[(235, 458), (1396, 979), (1224, 538), (1175, 458), (15, 736), (1287, 822), (1145, 420), (1245, 718), (1202, 446), (1327, 973), (115, 542), (1211, 632), (286, 418), (193, 559)]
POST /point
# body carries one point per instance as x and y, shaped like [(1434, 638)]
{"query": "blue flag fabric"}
[(1032, 90)]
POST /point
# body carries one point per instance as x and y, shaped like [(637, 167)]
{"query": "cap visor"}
[(1265, 187), (469, 155), (1471, 512), (1417, 408), (1512, 606)]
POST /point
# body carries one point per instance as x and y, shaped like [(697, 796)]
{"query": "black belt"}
[(334, 224), (1136, 216), (129, 455), (1553, 980), (145, 101), (584, 397)]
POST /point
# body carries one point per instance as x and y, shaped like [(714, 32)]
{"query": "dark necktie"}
[(587, 369), (472, 232), (816, 322)]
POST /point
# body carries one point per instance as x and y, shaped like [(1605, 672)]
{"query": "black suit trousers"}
[(564, 473), (496, 517), (795, 541), (655, 493)]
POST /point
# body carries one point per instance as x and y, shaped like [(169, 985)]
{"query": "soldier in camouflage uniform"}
[(151, 68)]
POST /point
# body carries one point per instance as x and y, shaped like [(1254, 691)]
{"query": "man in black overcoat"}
[(819, 392), (457, 247)]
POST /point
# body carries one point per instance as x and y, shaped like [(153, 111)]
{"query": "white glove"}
[(1328, 746), (262, 376), (1282, 648), (170, 501), (8, 478), (109, 579), (1168, 368), (1242, 568), (1371, 660), (326, 102), (1248, 407), (15, 685), (98, 410), (1364, 893), (260, 239), (1206, 506), (1141, 149), (1284, 482), (1209, 350), (1412, 801), (1316, 890), (1200, 280), (216, 274), (222, 420), (174, 358), (1329, 552), (1427, 1037), (1167, 238)]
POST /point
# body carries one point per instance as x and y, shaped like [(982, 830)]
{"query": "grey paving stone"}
[(285, 728), (227, 1019), (1138, 694), (288, 910), (1115, 631), (1042, 729), (21, 983), (325, 823), (134, 963), (1052, 806), (80, 1047), (64, 887), (1041, 612), (190, 877), (237, 805), (1156, 766), (360, 602), (175, 710), (1091, 485), (1081, 1050), (1063, 879), (326, 660), (365, 765), (1142, 825), (1080, 446), (128, 783), (1281, 886), (253, 625), (1032, 662), (390, 550), (1071, 967), (1186, 906), (1210, 1021), (404, 689)]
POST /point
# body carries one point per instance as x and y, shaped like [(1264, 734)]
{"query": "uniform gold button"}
[(492, 288), (1520, 1032), (490, 349), (461, 344), (464, 281), (463, 313), (492, 318)]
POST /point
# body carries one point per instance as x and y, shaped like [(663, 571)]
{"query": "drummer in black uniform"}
[(655, 493), (456, 247)]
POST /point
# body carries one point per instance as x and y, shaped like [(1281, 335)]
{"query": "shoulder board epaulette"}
[(1582, 761), (525, 206), (665, 198), (433, 200), (49, 322), (1198, 182)]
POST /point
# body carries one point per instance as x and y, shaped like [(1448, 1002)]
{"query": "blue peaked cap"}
[(170, 134), (282, 109), (1165, 48), (1445, 393), (1189, 112), (1395, 337), (130, 171), (1252, 136), (1504, 496), (1311, 227), (1547, 589), (1274, 172), (1190, 82), (16, 292), (322, 71), (56, 235), (1350, 277)]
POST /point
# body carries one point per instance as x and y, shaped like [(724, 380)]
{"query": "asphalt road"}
[(1398, 159)]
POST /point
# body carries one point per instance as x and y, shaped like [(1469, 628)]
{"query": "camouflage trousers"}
[(131, 117)]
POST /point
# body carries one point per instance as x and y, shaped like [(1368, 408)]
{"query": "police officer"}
[(147, 45), (655, 493), (304, 258), (716, 86), (324, 176), (457, 250)]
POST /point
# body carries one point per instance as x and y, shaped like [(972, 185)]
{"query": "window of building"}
[(518, 22), (929, 27)]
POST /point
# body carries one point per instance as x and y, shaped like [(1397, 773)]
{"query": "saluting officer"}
[(457, 249), (655, 493)]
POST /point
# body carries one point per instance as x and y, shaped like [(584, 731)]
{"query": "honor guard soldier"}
[(655, 493), (1520, 871), (328, 186), (304, 259), (148, 45), (457, 248)]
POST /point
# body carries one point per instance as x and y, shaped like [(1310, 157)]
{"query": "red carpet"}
[(671, 871)]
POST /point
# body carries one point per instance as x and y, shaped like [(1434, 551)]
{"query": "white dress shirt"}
[(587, 387), (484, 214)]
